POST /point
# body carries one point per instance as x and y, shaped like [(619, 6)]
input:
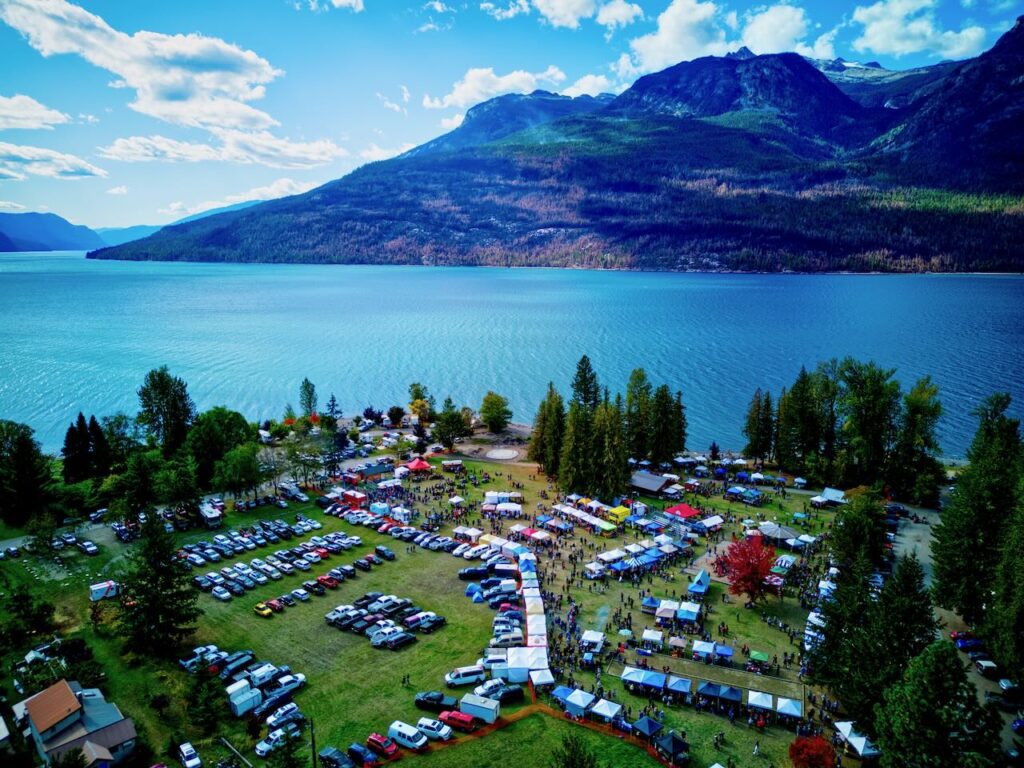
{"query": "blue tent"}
[(654, 680), (632, 675), (709, 689), (619, 567), (723, 650), (478, 597), (647, 727), (561, 692), (652, 527), (633, 518), (679, 685), (654, 552), (528, 566), (472, 589), (647, 561), (650, 602), (685, 615), (700, 583), (744, 476), (720, 472), (543, 519), (728, 693)]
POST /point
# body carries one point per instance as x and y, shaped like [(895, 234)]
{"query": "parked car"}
[(276, 738), (408, 736), (400, 640), (332, 757), (221, 594), (88, 548), (285, 714), (459, 721), (361, 755), (489, 688), (188, 756), (300, 594), (509, 693), (382, 745), (465, 676), (435, 701), (431, 623), (434, 730), (469, 574), (384, 552), (262, 609)]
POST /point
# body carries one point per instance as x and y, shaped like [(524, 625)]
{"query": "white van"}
[(475, 552), (406, 735), (465, 676)]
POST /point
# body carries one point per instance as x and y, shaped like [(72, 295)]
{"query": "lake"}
[(80, 335)]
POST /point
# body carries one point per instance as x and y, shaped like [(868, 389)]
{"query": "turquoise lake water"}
[(80, 335)]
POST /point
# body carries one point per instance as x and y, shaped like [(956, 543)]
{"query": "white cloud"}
[(503, 12), (405, 94), (480, 84), (373, 153), (7, 205), (87, 119), (274, 190), (20, 111), (190, 80), (453, 122), (901, 27), (617, 14), (775, 30), (17, 161), (589, 85), (438, 7), (121, 190), (686, 30), (565, 13), (261, 147), (388, 104), (355, 6)]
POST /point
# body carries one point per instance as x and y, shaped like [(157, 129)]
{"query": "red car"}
[(324, 553), (328, 581), (961, 635), (382, 745), (275, 605), (459, 721)]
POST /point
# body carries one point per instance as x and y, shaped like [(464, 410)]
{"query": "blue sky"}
[(115, 113)]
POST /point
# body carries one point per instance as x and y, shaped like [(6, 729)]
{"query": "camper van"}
[(465, 676), (406, 735)]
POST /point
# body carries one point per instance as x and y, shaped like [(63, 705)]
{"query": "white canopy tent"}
[(593, 638)]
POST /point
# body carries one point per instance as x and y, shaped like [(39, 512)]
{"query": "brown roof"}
[(49, 707), (96, 753)]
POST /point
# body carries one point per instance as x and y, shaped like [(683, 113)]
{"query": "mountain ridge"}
[(732, 163)]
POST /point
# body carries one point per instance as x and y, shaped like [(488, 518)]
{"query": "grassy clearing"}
[(354, 689)]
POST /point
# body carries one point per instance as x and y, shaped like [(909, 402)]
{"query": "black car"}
[(406, 612), (234, 587), (509, 693), (431, 623), (489, 583), (469, 574), (332, 757), (348, 570), (272, 703), (287, 600), (384, 552), (202, 583), (435, 701), (497, 602), (402, 639), (369, 597), (362, 565), (314, 586), (362, 755)]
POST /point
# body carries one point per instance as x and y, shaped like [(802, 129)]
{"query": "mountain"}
[(740, 163), (44, 232), (121, 235), (872, 86), (505, 115)]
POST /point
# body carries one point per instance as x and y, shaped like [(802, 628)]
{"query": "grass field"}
[(354, 689)]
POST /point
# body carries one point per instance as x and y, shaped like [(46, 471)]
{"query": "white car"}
[(276, 738), (434, 730), (460, 550), (356, 541), (301, 564), (221, 594), (489, 688), (300, 594), (283, 715), (285, 567), (188, 756)]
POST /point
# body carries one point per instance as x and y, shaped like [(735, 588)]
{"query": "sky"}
[(116, 113)]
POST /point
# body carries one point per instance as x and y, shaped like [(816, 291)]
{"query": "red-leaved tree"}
[(749, 561), (812, 752)]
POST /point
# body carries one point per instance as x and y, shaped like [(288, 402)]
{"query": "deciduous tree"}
[(749, 563), (494, 412), (307, 397), (811, 752)]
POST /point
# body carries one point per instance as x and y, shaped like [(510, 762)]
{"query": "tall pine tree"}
[(638, 414), (575, 466), (585, 387)]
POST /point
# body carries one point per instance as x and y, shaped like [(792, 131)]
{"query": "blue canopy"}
[(720, 472), (632, 675), (799, 516), (700, 583), (647, 560), (619, 567), (633, 518), (678, 684), (561, 692), (653, 679), (647, 727), (686, 615), (654, 552), (708, 688), (650, 602), (652, 527), (723, 650), (478, 597), (543, 518), (588, 656), (743, 476), (728, 693), (736, 490), (528, 566)]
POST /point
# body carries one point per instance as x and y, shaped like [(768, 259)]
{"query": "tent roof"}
[(647, 727), (418, 465), (790, 707), (580, 698), (542, 677), (759, 700), (605, 708)]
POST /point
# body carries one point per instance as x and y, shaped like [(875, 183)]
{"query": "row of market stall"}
[(647, 682)]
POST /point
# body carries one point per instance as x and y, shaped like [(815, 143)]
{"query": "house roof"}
[(647, 481), (52, 705), (96, 753)]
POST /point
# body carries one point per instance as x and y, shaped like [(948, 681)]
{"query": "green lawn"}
[(354, 689)]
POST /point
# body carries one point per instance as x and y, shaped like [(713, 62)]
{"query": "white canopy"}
[(540, 536), (759, 700), (611, 557), (527, 658), (534, 605), (508, 506), (542, 677), (713, 521), (606, 709), (703, 647), (652, 636), (595, 568), (857, 742), (535, 624), (634, 549), (455, 500), (593, 637), (517, 528)]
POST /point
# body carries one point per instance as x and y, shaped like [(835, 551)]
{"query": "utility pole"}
[(312, 741)]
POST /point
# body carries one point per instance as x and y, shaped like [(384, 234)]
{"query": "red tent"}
[(682, 510), (418, 465)]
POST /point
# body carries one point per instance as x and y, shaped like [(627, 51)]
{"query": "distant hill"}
[(44, 232), (741, 162), (120, 235)]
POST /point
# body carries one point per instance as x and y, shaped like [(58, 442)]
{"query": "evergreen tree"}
[(166, 409), (898, 626), (914, 471), (585, 388), (449, 425), (638, 414), (826, 398), (804, 419), (25, 477), (679, 424), (869, 408), (662, 423), (785, 433), (205, 700), (1004, 628), (753, 425), (76, 452), (548, 426), (611, 474), (575, 466), (158, 605), (966, 543), (100, 448), (176, 484), (123, 439), (844, 616), (859, 530), (288, 755), (333, 410), (307, 397), (932, 716), (766, 428)]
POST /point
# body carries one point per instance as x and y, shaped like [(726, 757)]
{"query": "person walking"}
[(757, 748)]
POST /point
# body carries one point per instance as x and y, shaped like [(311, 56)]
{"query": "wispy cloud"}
[(272, 191), (482, 83), (121, 190), (18, 162), (24, 112), (373, 153)]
